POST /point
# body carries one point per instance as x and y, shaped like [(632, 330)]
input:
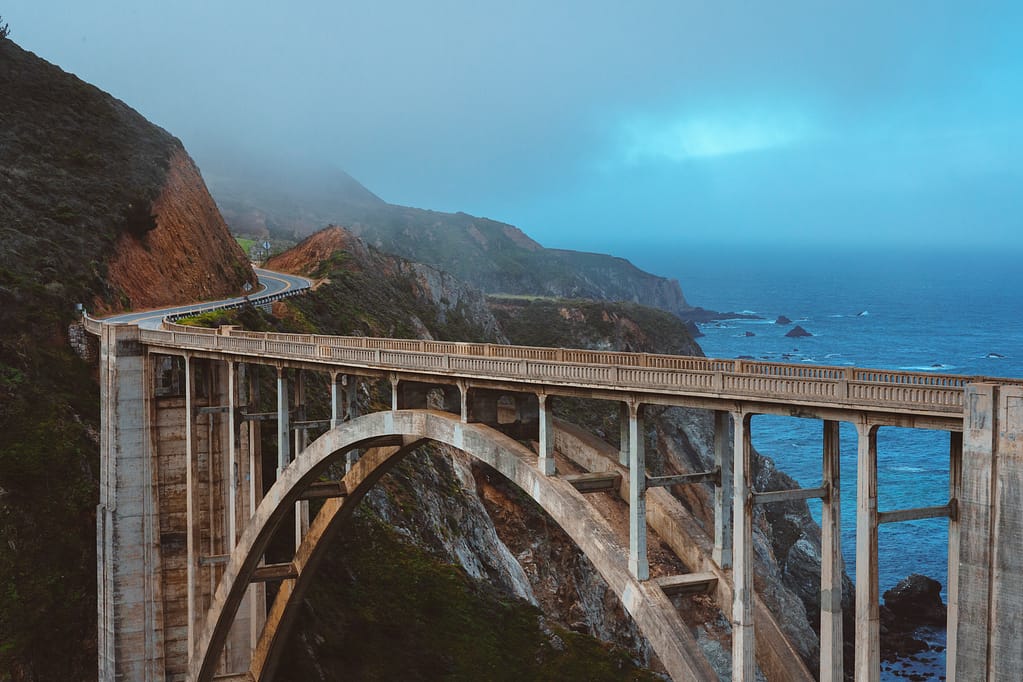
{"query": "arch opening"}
[(392, 435)]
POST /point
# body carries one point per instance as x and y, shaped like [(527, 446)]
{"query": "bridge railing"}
[(616, 370)]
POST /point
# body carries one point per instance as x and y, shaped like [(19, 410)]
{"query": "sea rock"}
[(995, 356), (916, 600), (797, 332), (748, 334), (783, 320)]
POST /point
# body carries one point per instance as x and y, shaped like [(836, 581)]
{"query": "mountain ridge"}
[(494, 256)]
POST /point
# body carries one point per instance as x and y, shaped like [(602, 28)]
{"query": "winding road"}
[(275, 285)]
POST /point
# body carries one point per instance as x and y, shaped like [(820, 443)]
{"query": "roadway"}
[(272, 284)]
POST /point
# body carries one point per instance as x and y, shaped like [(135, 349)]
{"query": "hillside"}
[(490, 255), (97, 206)]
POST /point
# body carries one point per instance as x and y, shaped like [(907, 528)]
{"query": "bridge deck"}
[(919, 394)]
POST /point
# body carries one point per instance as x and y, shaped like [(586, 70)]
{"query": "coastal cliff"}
[(97, 206)]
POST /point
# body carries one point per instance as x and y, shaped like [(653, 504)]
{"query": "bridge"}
[(187, 510)]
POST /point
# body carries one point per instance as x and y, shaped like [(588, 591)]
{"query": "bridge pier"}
[(723, 490), (831, 635), (868, 619), (744, 662), (638, 563)]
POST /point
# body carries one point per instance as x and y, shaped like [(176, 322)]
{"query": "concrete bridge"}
[(187, 510)]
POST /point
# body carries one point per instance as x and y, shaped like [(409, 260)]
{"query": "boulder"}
[(783, 320), (797, 332), (916, 600)]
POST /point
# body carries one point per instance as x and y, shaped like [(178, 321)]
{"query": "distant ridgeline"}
[(493, 256)]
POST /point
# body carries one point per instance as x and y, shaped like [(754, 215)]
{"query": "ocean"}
[(914, 309)]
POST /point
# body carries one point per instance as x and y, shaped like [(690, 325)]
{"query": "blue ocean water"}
[(920, 310)]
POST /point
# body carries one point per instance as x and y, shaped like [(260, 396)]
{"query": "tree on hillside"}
[(5, 30)]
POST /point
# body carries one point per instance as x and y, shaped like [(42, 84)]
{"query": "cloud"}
[(646, 139)]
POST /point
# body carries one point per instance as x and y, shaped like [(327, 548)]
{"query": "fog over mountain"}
[(595, 125)]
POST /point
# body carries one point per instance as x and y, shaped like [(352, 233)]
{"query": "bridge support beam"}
[(868, 618), (831, 559), (744, 662), (623, 431), (283, 423), (301, 439), (546, 460), (638, 564), (723, 491)]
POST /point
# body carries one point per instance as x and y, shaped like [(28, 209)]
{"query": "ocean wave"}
[(908, 469), (936, 367)]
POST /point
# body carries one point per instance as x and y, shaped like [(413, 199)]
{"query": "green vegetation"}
[(245, 242), (573, 323), (384, 609)]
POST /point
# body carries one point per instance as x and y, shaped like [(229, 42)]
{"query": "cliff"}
[(97, 206), (490, 255)]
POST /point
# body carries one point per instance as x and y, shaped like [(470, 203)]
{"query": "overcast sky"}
[(596, 124)]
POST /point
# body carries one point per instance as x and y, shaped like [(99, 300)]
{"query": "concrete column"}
[(546, 459), (623, 431), (463, 391), (831, 559), (955, 492), (129, 605), (744, 662), (192, 509), (351, 412), (335, 400), (868, 623), (283, 422), (638, 565), (233, 477), (351, 396), (723, 491), (302, 506), (394, 391), (257, 591)]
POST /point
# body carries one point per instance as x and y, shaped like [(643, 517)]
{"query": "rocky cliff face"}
[(188, 255)]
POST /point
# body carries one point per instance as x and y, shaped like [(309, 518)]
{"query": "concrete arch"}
[(391, 435)]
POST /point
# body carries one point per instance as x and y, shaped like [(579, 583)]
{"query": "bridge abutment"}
[(986, 599), (130, 614)]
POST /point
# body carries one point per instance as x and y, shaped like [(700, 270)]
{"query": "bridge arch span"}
[(392, 435)]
